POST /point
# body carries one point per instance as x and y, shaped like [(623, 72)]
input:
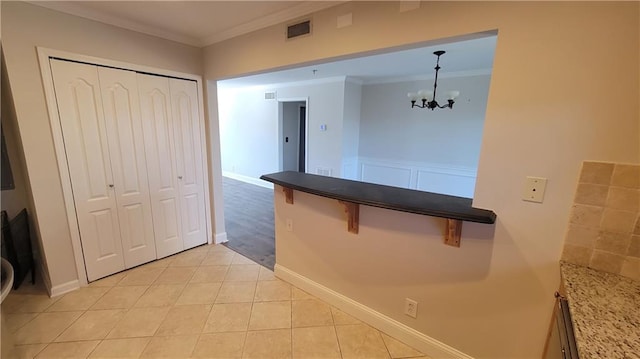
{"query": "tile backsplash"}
[(604, 226)]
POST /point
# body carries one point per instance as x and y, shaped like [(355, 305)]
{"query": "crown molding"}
[(388, 80), (303, 9), (354, 80), (72, 8), (277, 85)]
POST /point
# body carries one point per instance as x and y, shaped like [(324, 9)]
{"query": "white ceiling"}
[(204, 22), (462, 58)]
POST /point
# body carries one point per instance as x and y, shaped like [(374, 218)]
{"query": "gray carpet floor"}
[(248, 213)]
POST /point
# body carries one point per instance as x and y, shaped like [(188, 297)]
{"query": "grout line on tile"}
[(335, 332)]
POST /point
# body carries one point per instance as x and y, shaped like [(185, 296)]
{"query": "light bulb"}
[(452, 95), (412, 96), (424, 94)]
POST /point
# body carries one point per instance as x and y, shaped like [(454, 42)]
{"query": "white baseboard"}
[(427, 345), (247, 179), (219, 238), (64, 288)]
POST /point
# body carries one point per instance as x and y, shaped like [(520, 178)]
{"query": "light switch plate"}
[(534, 188)]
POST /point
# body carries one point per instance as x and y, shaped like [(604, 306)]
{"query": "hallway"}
[(248, 211)]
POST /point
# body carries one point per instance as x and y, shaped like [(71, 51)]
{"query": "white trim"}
[(230, 84), (413, 78), (319, 81), (220, 238), (76, 9), (400, 173), (306, 130), (350, 168), (465, 171), (247, 179), (63, 168), (354, 80), (417, 170), (115, 63), (205, 161), (303, 9), (424, 343), (65, 288)]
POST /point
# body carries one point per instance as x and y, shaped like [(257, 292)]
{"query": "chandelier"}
[(428, 98)]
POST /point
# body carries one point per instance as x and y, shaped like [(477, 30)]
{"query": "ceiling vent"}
[(299, 29), (269, 95)]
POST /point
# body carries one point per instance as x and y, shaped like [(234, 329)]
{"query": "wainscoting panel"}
[(350, 168), (386, 174), (428, 177), (450, 183)]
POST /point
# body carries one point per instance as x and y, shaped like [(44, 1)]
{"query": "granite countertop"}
[(605, 310)]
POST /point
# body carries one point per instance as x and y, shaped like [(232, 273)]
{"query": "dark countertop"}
[(394, 198), (604, 311)]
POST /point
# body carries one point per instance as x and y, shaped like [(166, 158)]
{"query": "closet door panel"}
[(186, 125), (155, 102), (119, 90), (83, 127)]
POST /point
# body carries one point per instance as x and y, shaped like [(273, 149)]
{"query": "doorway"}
[(293, 135)]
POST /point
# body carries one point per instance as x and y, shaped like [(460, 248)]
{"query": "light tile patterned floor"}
[(208, 302)]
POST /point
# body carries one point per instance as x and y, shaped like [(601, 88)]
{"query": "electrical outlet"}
[(411, 308), (289, 225), (534, 189)]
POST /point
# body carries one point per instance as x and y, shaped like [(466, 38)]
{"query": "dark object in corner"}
[(16, 246), (7, 176)]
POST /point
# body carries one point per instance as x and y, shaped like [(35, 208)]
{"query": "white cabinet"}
[(134, 152)]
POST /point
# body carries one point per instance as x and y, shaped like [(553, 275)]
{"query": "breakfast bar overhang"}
[(352, 194)]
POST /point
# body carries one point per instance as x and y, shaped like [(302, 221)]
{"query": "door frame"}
[(44, 54), (306, 130)]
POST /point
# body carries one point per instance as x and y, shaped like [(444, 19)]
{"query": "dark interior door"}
[(303, 139)]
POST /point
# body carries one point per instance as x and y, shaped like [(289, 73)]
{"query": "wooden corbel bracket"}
[(452, 233), (353, 215), (288, 194)]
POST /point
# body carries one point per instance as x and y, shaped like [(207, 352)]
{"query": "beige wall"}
[(26, 26), (564, 89), (13, 201)]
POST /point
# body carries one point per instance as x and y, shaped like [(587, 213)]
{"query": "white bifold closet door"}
[(174, 161), (186, 127), (119, 90), (102, 131)]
